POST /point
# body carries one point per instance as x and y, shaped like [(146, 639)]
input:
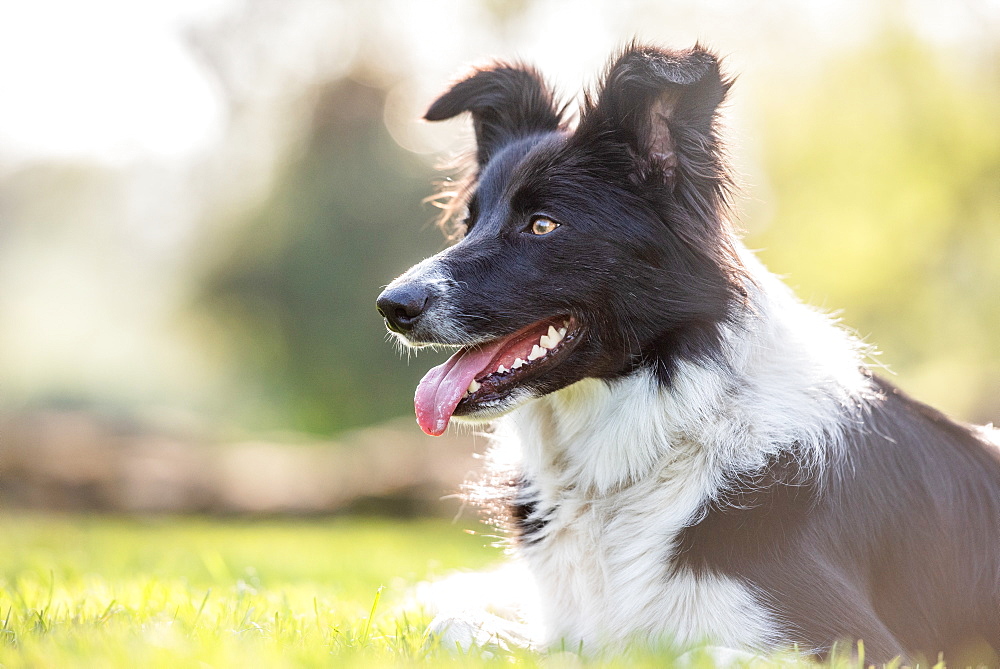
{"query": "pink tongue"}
[(442, 388)]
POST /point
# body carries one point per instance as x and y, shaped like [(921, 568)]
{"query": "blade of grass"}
[(371, 614)]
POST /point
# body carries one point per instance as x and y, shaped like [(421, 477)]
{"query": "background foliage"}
[(296, 285), (884, 173)]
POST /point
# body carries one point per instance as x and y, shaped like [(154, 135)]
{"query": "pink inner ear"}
[(661, 145)]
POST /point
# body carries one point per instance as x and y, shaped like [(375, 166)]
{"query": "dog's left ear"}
[(506, 102), (662, 104)]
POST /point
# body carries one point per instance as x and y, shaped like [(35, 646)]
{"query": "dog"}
[(700, 457)]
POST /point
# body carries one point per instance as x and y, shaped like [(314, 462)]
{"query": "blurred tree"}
[(885, 177), (296, 290)]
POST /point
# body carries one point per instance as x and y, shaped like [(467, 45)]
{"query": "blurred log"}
[(82, 461)]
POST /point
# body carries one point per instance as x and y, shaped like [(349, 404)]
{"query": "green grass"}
[(85, 591), (79, 591)]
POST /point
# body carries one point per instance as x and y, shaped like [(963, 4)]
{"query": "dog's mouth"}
[(478, 377)]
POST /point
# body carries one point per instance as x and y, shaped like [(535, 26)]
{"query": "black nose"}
[(403, 305)]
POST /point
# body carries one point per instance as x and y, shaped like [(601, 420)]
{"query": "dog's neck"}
[(783, 379)]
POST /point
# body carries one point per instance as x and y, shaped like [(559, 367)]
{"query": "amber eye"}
[(543, 226)]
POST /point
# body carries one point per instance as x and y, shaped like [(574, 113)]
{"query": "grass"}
[(79, 591), (86, 591)]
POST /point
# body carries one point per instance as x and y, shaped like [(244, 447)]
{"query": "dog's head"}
[(587, 252)]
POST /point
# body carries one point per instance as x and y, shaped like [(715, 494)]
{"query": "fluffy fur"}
[(705, 458)]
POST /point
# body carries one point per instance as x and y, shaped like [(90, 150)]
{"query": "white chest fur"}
[(603, 563), (618, 469), (606, 578)]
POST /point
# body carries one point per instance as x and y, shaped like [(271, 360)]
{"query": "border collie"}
[(700, 456)]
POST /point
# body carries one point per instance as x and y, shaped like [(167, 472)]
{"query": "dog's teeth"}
[(474, 386), (562, 333), (501, 370), (517, 364), (536, 352), (555, 336), (545, 342)]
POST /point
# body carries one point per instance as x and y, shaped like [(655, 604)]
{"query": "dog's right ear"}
[(506, 102)]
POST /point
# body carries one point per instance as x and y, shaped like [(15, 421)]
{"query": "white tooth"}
[(545, 342), (517, 364), (501, 370), (474, 386), (536, 352), (562, 333), (555, 336)]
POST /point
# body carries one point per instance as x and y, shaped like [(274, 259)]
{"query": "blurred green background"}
[(199, 202)]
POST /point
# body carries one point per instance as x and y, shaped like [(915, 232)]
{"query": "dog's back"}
[(895, 544)]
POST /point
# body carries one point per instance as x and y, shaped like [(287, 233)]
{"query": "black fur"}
[(523, 519), (506, 102)]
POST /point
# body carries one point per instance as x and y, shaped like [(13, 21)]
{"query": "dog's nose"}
[(403, 305)]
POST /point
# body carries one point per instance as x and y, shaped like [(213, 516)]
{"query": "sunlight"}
[(106, 81)]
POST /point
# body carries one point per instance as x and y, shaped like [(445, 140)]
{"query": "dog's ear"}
[(662, 104), (506, 102)]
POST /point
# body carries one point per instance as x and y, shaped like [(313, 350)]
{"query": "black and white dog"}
[(701, 457)]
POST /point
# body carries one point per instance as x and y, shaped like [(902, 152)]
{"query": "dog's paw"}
[(720, 657), (492, 611), (489, 634)]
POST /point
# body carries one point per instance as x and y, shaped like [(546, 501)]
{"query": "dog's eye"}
[(541, 225)]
